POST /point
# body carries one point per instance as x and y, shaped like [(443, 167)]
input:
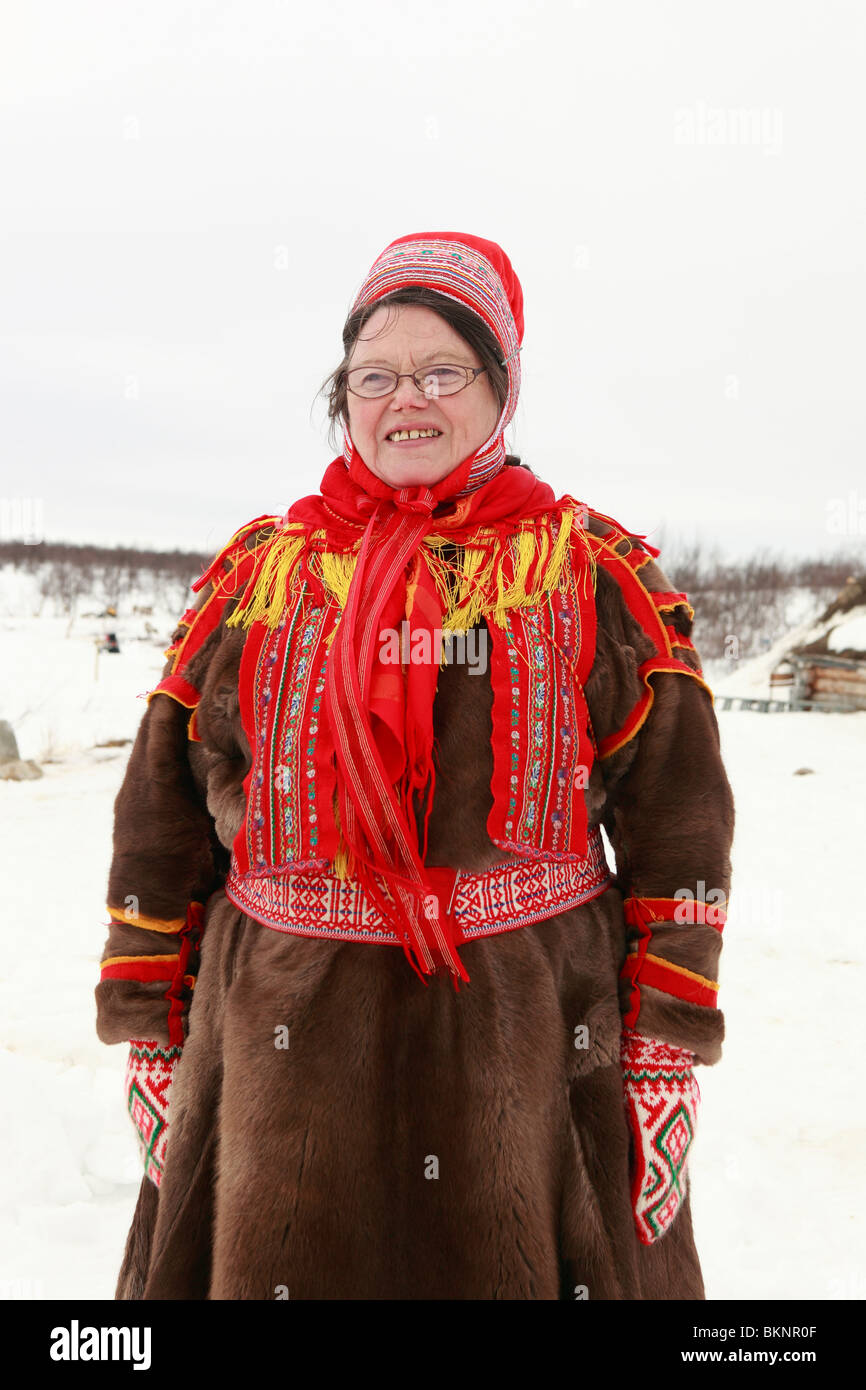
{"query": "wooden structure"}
[(827, 673)]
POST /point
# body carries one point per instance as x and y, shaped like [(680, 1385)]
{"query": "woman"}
[(342, 1125)]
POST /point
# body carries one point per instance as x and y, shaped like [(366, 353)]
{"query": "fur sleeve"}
[(668, 811), (178, 810), (165, 863)]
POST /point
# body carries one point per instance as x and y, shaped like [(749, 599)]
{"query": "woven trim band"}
[(512, 894)]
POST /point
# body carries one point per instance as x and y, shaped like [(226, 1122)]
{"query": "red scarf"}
[(382, 725)]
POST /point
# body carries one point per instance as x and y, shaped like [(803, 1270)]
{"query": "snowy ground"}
[(779, 1154), (779, 1157)]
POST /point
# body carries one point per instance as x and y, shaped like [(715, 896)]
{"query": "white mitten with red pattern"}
[(149, 1072), (662, 1098)]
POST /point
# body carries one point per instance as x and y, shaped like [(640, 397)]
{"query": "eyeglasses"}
[(440, 380)]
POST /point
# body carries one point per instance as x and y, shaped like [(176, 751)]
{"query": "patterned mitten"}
[(149, 1072), (662, 1098)]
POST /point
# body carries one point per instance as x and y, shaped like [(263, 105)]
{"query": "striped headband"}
[(478, 274)]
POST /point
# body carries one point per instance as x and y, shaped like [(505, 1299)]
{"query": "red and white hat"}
[(478, 274)]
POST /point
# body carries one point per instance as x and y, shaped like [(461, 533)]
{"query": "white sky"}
[(679, 186)]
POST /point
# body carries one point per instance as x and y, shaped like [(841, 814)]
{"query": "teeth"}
[(399, 435)]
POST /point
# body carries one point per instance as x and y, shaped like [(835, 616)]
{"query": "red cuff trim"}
[(686, 912), (640, 967), (140, 968), (671, 979)]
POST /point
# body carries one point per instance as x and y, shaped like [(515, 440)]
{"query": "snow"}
[(82, 696), (850, 633), (778, 1157)]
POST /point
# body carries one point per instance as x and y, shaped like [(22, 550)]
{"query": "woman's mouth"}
[(407, 438)]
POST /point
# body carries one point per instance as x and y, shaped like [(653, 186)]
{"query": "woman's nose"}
[(408, 393)]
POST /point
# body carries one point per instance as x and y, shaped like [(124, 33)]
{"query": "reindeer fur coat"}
[(305, 1172)]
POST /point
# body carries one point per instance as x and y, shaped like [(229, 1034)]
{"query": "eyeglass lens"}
[(433, 381)]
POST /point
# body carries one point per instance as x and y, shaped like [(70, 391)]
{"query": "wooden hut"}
[(828, 671)]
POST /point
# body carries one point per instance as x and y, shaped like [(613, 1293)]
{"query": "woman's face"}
[(417, 337)]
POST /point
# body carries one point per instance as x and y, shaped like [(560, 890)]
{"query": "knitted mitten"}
[(662, 1098), (149, 1072)]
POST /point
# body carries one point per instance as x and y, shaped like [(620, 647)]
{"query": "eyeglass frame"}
[(476, 373)]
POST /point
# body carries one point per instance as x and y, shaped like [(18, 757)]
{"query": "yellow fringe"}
[(592, 566), (344, 859), (336, 573), (478, 588), (264, 600)]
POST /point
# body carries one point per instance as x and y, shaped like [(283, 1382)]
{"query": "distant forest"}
[(114, 574), (748, 600)]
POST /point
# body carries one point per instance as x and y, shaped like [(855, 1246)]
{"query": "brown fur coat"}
[(309, 1172)]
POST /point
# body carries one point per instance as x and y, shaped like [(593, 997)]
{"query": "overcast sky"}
[(191, 193)]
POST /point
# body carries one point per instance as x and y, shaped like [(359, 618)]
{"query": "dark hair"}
[(471, 328)]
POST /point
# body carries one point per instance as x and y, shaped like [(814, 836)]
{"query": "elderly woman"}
[(399, 716)]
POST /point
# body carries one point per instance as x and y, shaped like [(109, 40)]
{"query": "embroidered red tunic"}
[(283, 871)]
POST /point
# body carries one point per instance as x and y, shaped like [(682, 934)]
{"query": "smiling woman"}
[(409, 329), (407, 338), (397, 1031)]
